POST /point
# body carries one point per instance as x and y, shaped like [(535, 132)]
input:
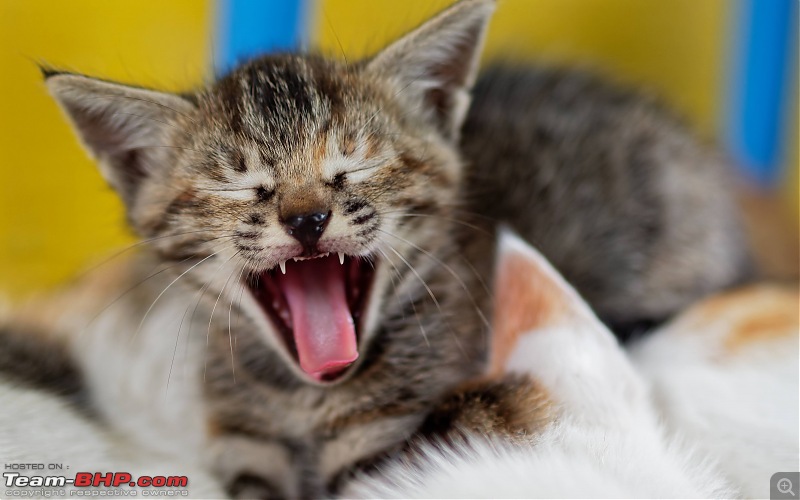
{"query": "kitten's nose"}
[(307, 228)]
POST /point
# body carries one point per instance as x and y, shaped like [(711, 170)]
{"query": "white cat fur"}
[(671, 421)]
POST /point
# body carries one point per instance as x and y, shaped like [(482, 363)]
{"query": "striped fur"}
[(206, 176)]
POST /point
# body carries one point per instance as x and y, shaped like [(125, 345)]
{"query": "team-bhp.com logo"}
[(86, 479), (97, 480)]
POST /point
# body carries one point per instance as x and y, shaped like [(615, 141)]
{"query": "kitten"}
[(313, 272), (703, 408), (609, 186)]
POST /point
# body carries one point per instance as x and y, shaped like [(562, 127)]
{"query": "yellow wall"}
[(56, 214), (681, 49), (675, 46)]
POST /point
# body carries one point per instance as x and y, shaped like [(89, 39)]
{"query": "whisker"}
[(463, 257), (435, 301), (211, 316), (410, 299), (139, 283), (335, 35), (152, 305), (450, 270), (411, 268), (435, 216), (174, 352), (230, 335), (478, 276), (200, 294), (138, 244)]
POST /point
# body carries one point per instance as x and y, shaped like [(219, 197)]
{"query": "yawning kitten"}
[(318, 235)]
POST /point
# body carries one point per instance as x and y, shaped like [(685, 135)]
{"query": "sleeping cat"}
[(317, 239), (706, 407)]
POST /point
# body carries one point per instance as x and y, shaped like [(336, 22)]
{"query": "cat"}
[(705, 407), (299, 191), (722, 376)]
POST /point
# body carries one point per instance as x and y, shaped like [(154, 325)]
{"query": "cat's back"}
[(735, 394), (608, 184)]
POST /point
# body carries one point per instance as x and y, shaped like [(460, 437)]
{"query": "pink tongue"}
[(323, 326)]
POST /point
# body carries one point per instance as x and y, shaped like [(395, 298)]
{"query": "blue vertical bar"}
[(247, 28), (761, 83)]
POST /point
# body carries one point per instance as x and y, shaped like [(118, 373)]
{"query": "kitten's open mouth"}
[(317, 306)]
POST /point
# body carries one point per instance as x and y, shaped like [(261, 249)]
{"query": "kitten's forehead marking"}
[(282, 101), (297, 110)]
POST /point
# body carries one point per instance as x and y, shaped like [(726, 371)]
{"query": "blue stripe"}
[(247, 28), (761, 83)]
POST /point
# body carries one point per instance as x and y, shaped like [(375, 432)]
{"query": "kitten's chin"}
[(317, 308)]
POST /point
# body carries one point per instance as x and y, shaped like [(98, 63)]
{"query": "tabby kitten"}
[(319, 235)]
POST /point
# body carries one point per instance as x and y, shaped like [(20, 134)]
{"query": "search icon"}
[(785, 486)]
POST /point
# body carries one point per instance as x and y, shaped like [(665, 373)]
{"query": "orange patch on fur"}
[(749, 315), (524, 300), (771, 314)]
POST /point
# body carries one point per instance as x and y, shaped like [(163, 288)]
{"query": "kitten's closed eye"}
[(338, 181), (264, 194), (259, 193)]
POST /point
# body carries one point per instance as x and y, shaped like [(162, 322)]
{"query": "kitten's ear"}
[(122, 127), (542, 327), (435, 65)]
